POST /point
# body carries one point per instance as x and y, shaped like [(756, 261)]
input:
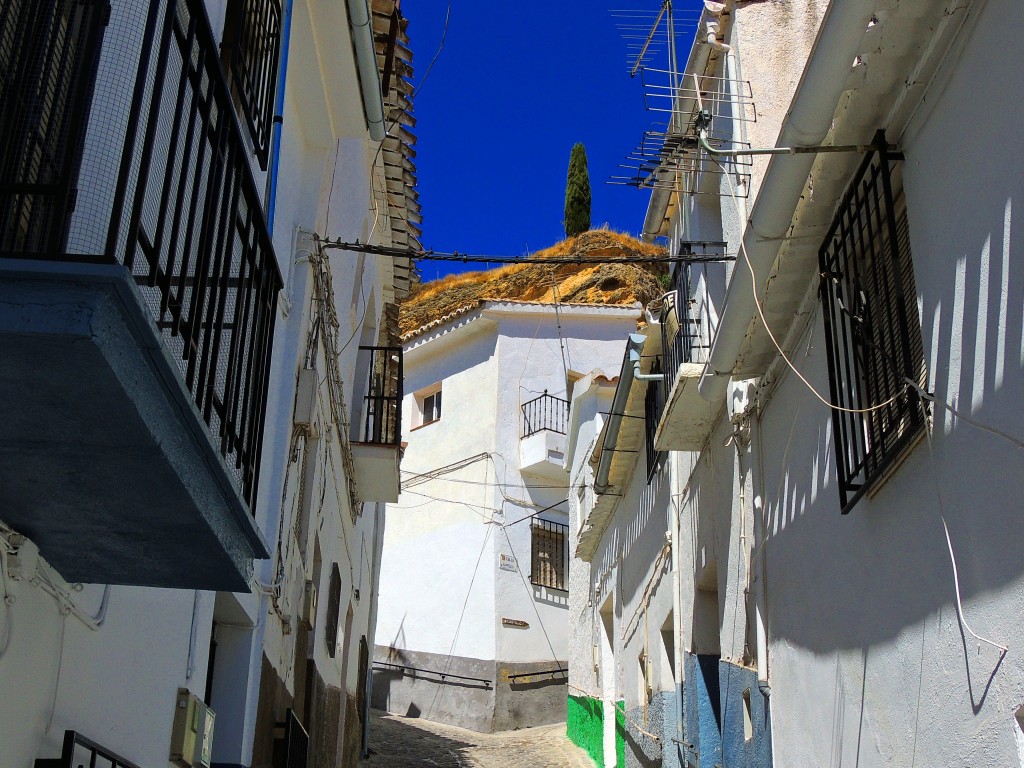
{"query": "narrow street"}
[(402, 742)]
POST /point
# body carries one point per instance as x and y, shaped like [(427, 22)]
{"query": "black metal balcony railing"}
[(166, 190), (252, 42), (681, 338), (382, 412), (79, 751), (654, 404), (545, 412), (49, 53), (679, 330)]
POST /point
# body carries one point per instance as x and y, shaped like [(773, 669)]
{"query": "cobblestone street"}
[(402, 742)]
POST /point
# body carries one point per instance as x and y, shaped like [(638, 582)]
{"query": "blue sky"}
[(515, 86)]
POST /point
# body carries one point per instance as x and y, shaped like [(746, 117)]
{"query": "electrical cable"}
[(529, 594), (471, 507), (462, 615), (8, 599), (771, 335), (60, 666), (558, 327), (432, 255), (949, 543), (440, 47), (1017, 443), (522, 486)]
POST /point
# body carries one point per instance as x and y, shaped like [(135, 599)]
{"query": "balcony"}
[(542, 447), (687, 418), (377, 434), (138, 290), (76, 750)]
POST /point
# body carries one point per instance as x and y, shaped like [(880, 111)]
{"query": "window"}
[(250, 50), (333, 611), (549, 554), (428, 405), (654, 404), (872, 329)]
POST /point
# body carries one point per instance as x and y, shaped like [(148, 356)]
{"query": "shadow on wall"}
[(863, 578)]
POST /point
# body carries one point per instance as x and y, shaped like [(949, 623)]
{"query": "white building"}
[(842, 583), (472, 628), (188, 378)]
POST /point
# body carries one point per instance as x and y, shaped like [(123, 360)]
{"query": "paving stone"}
[(405, 742)]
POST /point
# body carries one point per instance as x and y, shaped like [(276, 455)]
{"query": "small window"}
[(428, 406), (549, 554), (872, 329), (748, 718), (333, 611)]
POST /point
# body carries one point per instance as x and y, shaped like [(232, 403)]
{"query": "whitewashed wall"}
[(117, 684), (867, 653)]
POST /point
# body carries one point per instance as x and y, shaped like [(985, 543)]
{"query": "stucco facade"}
[(464, 635), (107, 661), (823, 618)]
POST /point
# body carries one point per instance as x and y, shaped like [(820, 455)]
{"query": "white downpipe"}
[(758, 565), (807, 124), (361, 24), (677, 589)]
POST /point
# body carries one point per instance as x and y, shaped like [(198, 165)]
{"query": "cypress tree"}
[(577, 193)]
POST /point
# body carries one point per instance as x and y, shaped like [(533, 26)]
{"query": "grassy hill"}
[(574, 283)]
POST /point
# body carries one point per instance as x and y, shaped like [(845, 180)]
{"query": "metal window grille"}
[(654, 405), (549, 554), (252, 44), (382, 421), (77, 751), (333, 611), (49, 54), (545, 412), (872, 328)]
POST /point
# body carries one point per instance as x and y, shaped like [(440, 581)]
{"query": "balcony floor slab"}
[(104, 461), (688, 418)]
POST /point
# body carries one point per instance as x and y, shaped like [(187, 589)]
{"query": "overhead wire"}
[(558, 326), (923, 394), (432, 255), (909, 383), (949, 545), (771, 334), (440, 47)]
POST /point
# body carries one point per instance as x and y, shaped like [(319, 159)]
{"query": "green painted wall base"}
[(584, 725), (620, 734)]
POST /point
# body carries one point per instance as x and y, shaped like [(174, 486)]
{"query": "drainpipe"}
[(758, 566), (807, 124), (677, 592), (361, 24), (635, 343), (378, 532), (275, 138)]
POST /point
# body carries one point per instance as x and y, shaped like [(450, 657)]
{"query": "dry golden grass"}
[(609, 284)]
